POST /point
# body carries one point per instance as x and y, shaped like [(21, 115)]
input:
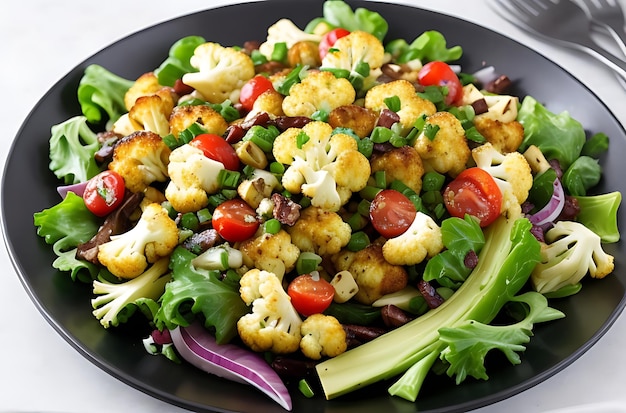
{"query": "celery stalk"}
[(505, 263)]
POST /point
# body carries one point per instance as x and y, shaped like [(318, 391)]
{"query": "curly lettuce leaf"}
[(72, 148), (65, 226), (102, 92), (337, 13), (469, 342), (195, 291), (583, 174), (558, 136), (460, 236), (427, 47)]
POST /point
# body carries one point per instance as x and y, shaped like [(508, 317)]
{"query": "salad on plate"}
[(326, 208)]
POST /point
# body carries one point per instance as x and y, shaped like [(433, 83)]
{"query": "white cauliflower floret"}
[(154, 236), (113, 297), (222, 71), (184, 116), (322, 336), (412, 107), (152, 112), (326, 168), (573, 250), (374, 275), (270, 252), (318, 91), (421, 240), (320, 231), (285, 31), (361, 53), (141, 159), (192, 177), (511, 172), (447, 152), (220, 257), (274, 324)]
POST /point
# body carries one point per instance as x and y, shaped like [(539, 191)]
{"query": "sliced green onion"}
[(393, 103), (380, 134), (204, 215), (357, 221), (271, 226), (338, 73), (302, 139), (433, 181), (364, 207), (307, 262), (369, 192), (430, 131), (257, 57), (358, 241), (279, 54), (305, 389), (228, 179), (190, 221)]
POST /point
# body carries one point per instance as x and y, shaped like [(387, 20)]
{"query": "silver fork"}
[(609, 15), (561, 21)]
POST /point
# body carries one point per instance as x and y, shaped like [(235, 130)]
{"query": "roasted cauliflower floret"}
[(373, 274), (320, 231), (361, 53), (504, 136), (270, 252), (152, 112), (318, 91), (192, 177), (285, 31), (326, 168), (573, 250), (141, 159), (322, 336), (184, 116), (447, 152), (222, 71), (511, 172), (270, 102), (145, 85), (423, 239), (154, 236), (274, 324), (403, 164), (412, 107)]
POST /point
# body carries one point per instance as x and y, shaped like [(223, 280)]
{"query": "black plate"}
[(29, 187)]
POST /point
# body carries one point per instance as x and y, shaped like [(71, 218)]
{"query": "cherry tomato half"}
[(252, 89), (329, 39), (104, 193), (439, 73), (310, 294), (391, 213), (216, 148), (474, 192), (235, 220)]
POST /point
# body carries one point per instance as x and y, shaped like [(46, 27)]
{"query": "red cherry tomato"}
[(329, 39), (104, 193), (235, 220), (391, 213), (216, 148), (253, 89), (438, 73), (310, 294), (474, 192)]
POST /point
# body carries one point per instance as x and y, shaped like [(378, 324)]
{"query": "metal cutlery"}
[(609, 15), (561, 21)]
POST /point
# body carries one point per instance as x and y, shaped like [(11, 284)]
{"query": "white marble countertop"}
[(42, 41)]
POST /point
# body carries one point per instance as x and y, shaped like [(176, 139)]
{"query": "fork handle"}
[(587, 45)]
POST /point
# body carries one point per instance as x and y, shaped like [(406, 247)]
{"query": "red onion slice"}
[(78, 189), (198, 347), (553, 209)]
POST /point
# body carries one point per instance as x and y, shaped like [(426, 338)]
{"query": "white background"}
[(41, 41)]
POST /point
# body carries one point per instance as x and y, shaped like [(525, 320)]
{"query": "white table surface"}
[(41, 41)]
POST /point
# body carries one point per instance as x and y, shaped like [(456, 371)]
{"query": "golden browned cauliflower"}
[(222, 71), (322, 336), (403, 164), (504, 136), (184, 116), (447, 152), (318, 91), (319, 231), (270, 252), (147, 84), (372, 273), (412, 106), (141, 159)]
